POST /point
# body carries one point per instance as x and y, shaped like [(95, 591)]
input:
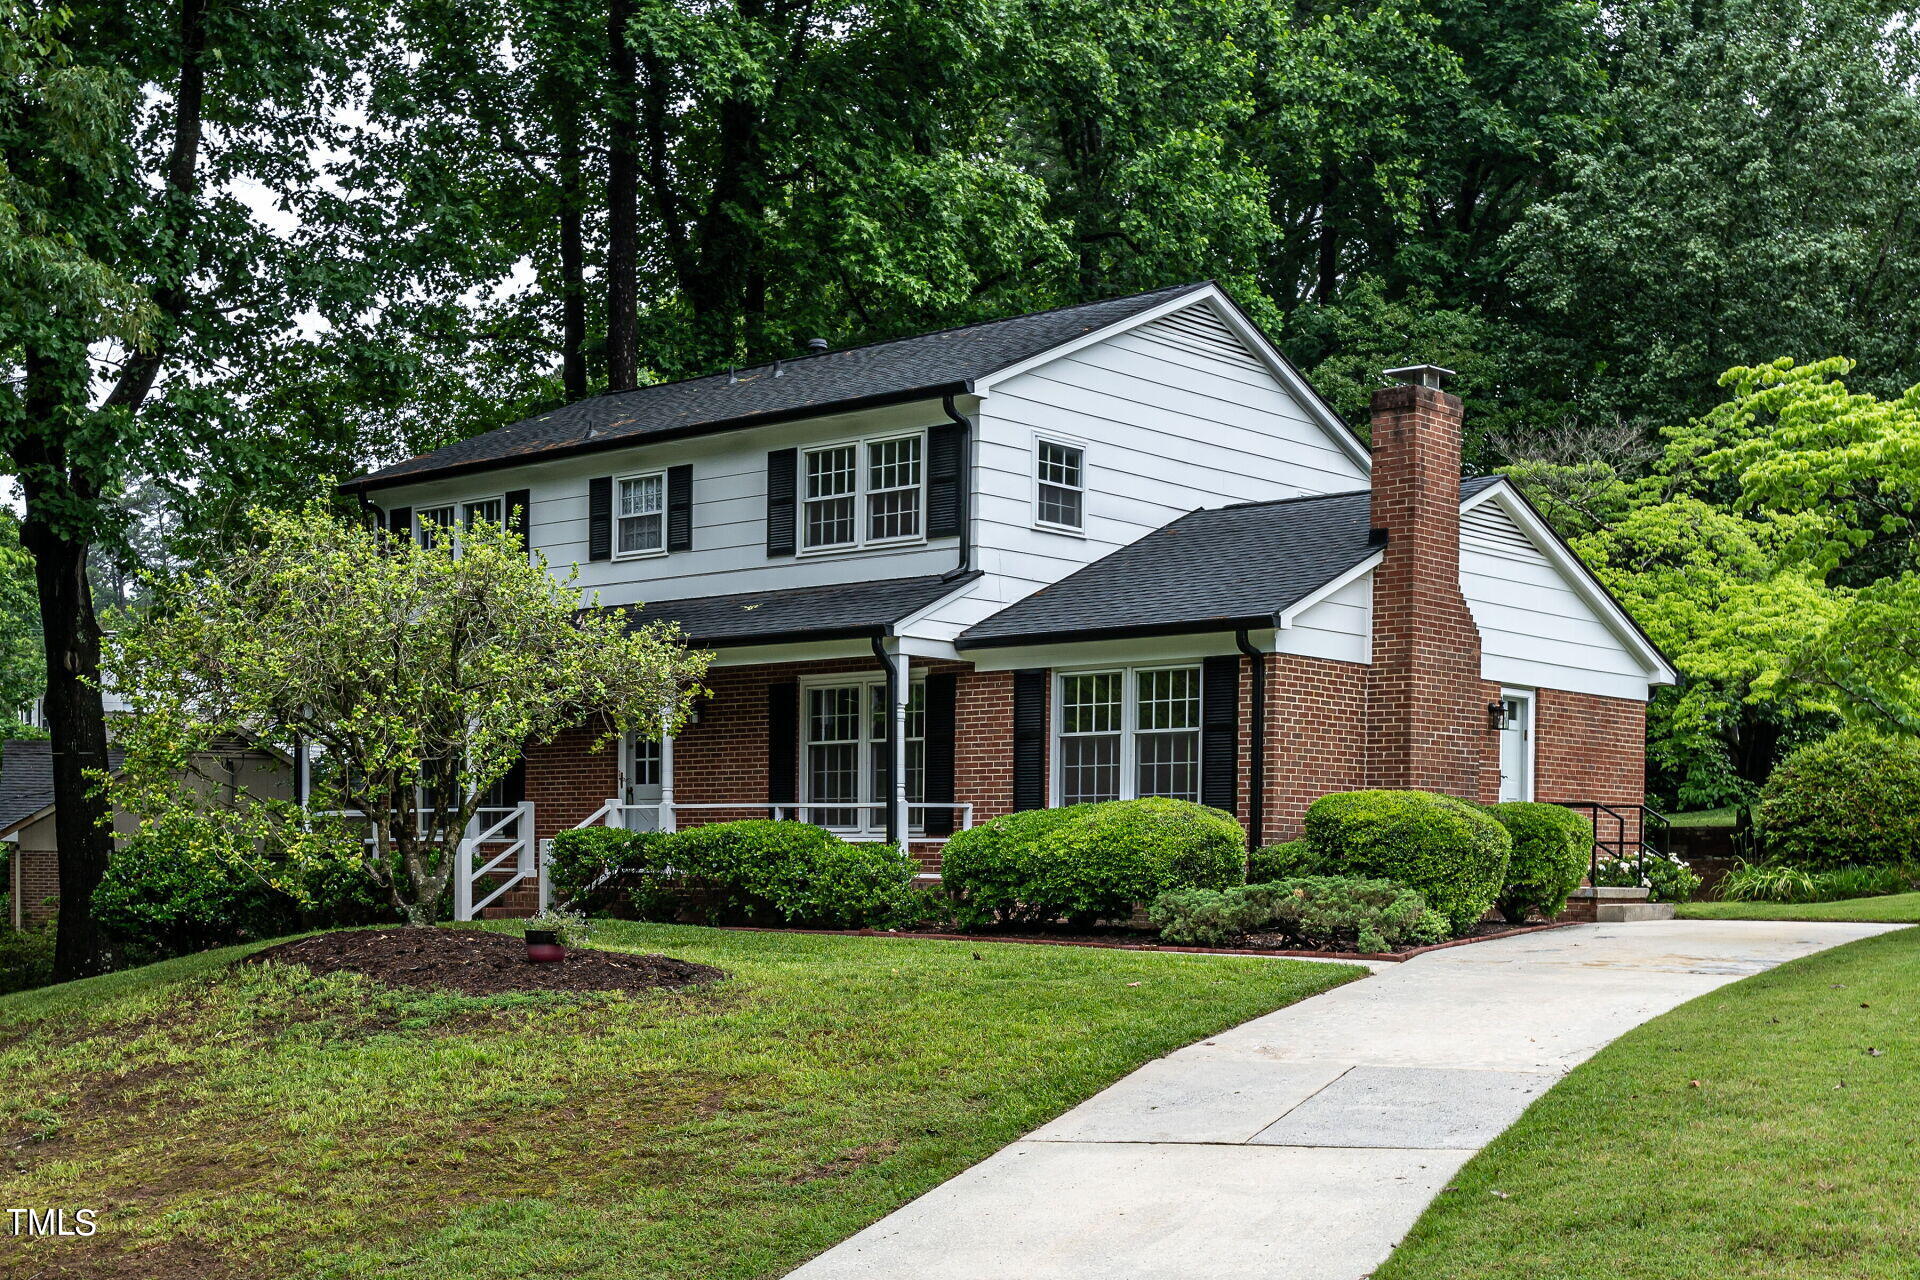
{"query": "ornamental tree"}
[(414, 675)]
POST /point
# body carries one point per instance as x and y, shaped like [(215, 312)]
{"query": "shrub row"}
[(1311, 911)]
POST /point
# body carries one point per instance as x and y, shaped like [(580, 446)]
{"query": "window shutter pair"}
[(679, 513)]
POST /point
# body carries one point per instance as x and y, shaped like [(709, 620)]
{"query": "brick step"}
[(499, 912)]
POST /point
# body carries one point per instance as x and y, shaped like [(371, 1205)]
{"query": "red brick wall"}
[(1423, 689), (1316, 737), (34, 879), (1587, 747), (567, 780)]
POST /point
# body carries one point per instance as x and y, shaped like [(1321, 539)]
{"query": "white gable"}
[(1543, 621)]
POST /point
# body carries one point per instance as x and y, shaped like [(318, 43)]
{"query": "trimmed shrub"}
[(1552, 847), (26, 958), (792, 872), (1089, 862), (1282, 862), (590, 868), (1312, 911), (1852, 798), (1452, 854)]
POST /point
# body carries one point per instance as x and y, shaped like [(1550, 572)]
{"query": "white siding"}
[(1339, 627), (729, 552), (1175, 415), (1536, 631)]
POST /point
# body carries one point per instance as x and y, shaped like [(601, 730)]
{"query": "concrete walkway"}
[(1302, 1145)]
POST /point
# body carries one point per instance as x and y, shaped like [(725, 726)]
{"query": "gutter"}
[(1257, 770), (893, 680), (965, 560), (1196, 626)]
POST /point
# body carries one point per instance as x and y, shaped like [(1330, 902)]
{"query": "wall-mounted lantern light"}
[(1497, 716)]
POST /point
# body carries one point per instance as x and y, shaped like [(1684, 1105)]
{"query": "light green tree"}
[(417, 674)]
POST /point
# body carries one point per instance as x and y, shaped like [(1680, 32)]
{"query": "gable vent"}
[(1490, 530), (1200, 330)]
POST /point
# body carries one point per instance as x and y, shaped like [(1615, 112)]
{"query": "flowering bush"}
[(1666, 876)]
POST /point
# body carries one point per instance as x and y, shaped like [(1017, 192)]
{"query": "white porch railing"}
[(665, 815)]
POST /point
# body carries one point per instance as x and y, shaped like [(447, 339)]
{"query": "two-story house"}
[(1113, 550)]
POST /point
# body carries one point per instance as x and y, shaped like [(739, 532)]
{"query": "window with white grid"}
[(893, 489), (1060, 491), (833, 754), (845, 763), (486, 509), (641, 518), (832, 477), (434, 526), (1126, 734), (879, 710)]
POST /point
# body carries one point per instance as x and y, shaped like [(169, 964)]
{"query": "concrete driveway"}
[(1304, 1144)]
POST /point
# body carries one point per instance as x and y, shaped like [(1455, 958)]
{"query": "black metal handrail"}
[(1651, 833)]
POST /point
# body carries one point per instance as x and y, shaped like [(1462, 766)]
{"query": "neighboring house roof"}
[(896, 371), (26, 780), (1213, 569), (835, 612)]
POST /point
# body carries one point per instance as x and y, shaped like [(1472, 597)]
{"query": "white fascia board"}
[(1248, 332), (1358, 571), (1578, 576)]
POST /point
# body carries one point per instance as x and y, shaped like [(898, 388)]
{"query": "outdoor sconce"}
[(1496, 716)]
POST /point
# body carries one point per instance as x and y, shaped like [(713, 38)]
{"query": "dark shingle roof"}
[(837, 612), (1212, 569), (26, 778), (903, 369)]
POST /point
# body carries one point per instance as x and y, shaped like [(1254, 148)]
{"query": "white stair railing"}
[(507, 833)]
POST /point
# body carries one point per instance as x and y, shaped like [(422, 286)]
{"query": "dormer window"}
[(862, 493), (1060, 489)]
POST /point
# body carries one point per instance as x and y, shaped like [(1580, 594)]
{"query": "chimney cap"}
[(1421, 375)]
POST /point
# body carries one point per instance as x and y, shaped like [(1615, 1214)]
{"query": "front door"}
[(643, 784), (1516, 747)]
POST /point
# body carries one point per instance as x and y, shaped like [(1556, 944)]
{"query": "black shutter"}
[(511, 789), (1220, 732), (946, 471), (680, 508), (400, 523), (782, 472), (937, 754), (600, 518), (1030, 739), (519, 502), (783, 743)]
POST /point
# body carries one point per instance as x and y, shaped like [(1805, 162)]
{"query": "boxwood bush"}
[(1311, 911), (792, 873), (1850, 799), (1552, 847), (592, 868), (1450, 852), (1090, 862), (1282, 861)]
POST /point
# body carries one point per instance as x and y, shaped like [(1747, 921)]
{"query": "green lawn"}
[(1898, 908), (1703, 818), (258, 1121), (1796, 1156)]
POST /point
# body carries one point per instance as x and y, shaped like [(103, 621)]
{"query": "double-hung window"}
[(1128, 733), (844, 754), (434, 526), (642, 517), (1059, 485), (487, 509), (863, 493)]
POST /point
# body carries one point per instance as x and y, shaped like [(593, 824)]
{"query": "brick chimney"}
[(1426, 704)]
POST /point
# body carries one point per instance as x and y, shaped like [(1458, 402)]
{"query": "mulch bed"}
[(1143, 940), (477, 963)]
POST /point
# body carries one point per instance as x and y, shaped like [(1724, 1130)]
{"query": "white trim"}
[(1180, 649), (1286, 619), (1316, 408), (860, 494), (1577, 575), (651, 553), (1062, 441)]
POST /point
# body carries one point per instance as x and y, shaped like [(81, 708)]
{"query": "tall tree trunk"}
[(573, 288), (75, 715), (623, 188), (1327, 259)]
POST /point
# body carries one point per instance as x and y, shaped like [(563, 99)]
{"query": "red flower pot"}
[(543, 947)]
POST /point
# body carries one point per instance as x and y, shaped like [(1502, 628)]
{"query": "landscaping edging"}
[(1389, 956)]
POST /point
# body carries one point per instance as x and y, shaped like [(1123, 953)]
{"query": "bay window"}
[(1127, 733)]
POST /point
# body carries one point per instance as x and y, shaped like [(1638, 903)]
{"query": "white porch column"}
[(902, 684), (668, 822)]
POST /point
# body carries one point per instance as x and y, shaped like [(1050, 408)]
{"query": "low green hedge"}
[(1552, 847), (1450, 852), (1311, 911), (1089, 862), (591, 868)]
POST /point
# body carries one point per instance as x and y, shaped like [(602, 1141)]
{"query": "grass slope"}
[(1796, 1157), (259, 1121), (1898, 908)]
